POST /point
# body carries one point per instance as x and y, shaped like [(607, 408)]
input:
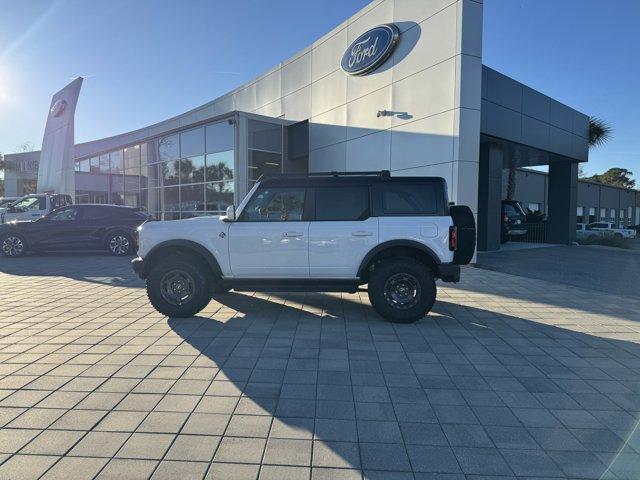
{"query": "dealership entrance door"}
[(562, 192)]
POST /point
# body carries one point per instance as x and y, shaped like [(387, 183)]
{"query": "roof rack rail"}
[(377, 173)]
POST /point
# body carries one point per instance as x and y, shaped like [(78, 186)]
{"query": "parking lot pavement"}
[(605, 269), (509, 377)]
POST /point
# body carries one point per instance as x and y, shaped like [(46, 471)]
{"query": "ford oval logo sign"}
[(370, 50), (58, 108)]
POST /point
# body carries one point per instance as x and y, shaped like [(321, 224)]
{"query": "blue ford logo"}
[(370, 49)]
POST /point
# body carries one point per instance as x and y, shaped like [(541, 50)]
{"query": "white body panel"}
[(333, 249), (433, 232), (336, 248), (269, 249), (205, 231)]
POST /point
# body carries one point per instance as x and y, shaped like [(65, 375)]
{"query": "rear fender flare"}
[(392, 244)]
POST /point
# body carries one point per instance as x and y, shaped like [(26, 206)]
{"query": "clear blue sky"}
[(149, 60)]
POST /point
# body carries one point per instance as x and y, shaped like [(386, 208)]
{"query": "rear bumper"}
[(449, 272), (139, 267)]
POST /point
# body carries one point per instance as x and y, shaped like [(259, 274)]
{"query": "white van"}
[(32, 207)]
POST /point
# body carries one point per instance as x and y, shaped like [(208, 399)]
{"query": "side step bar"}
[(297, 285)]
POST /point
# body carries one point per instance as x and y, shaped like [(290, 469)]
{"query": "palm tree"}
[(599, 132)]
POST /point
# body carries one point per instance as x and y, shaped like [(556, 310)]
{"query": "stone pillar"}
[(489, 196), (563, 199)]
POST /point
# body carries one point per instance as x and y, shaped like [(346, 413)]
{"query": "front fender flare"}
[(183, 244)]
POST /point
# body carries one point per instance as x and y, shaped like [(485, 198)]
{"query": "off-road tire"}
[(412, 271), (200, 284)]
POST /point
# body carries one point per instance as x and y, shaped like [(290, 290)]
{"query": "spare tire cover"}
[(465, 223)]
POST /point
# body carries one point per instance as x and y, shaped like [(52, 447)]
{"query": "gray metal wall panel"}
[(518, 113)]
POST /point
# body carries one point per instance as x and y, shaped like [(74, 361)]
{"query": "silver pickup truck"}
[(602, 229)]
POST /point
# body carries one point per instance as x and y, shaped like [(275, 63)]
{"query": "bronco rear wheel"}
[(178, 287), (402, 290)]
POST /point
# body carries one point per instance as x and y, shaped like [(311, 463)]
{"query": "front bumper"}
[(139, 267), (449, 272)]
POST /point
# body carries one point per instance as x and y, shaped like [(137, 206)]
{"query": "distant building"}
[(595, 202), (398, 86)]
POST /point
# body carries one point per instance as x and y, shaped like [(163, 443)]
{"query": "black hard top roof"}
[(343, 178)]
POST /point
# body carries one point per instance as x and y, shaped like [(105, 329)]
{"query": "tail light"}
[(505, 217), (453, 238)]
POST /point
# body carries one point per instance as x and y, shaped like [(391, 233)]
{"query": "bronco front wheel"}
[(176, 287)]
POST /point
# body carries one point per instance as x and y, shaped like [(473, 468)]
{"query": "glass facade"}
[(264, 149), (182, 175)]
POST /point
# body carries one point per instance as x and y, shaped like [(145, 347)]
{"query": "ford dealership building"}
[(399, 86)]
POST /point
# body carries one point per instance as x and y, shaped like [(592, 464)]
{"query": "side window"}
[(96, 213), (275, 205), (411, 199), (31, 204), (347, 203), (64, 215)]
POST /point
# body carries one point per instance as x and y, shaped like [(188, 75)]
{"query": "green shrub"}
[(606, 241)]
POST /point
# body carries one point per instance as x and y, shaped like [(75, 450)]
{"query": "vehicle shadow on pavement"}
[(99, 268), (465, 390)]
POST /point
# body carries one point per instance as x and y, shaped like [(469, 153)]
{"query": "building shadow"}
[(314, 363), (611, 271)]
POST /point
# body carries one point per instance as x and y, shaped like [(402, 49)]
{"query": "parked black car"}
[(513, 220), (75, 227)]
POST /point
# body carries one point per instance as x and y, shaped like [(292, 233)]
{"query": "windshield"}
[(513, 209)]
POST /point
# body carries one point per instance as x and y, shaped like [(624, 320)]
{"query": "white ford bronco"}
[(328, 232)]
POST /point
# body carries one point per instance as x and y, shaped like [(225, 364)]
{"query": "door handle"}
[(361, 233), (292, 234)]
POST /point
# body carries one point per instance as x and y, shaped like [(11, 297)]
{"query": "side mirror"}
[(231, 213), (11, 209)]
